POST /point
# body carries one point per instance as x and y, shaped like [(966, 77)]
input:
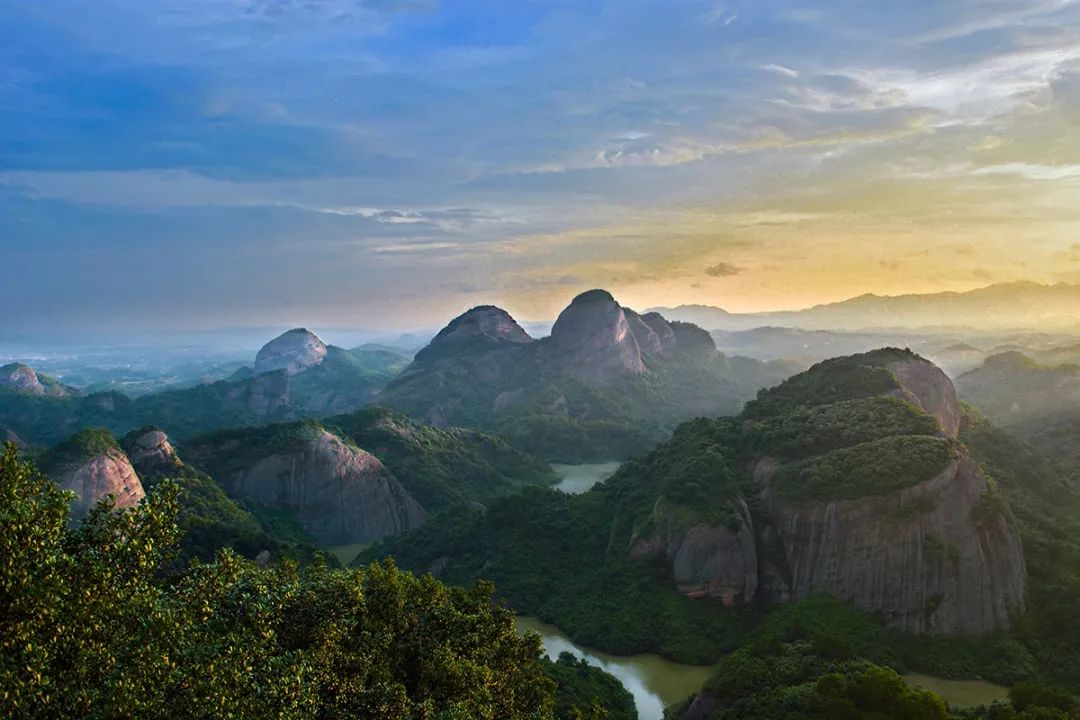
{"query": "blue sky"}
[(383, 163)]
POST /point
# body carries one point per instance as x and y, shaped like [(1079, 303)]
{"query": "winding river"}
[(653, 681)]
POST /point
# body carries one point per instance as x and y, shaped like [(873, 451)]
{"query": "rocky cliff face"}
[(338, 493), (107, 473), (867, 499), (708, 560), (927, 386), (293, 351), (22, 378), (940, 557), (592, 339), (661, 327), (150, 449), (647, 339)]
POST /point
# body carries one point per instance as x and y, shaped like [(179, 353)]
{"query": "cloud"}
[(722, 269), (780, 70)]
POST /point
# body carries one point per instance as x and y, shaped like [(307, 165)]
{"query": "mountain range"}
[(850, 479), (294, 376), (606, 382), (1027, 305)]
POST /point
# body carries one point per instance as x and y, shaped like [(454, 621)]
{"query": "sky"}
[(389, 163)]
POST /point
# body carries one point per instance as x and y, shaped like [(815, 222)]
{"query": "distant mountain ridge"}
[(295, 376), (1004, 305), (606, 382)]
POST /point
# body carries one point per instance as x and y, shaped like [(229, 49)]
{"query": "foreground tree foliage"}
[(92, 627)]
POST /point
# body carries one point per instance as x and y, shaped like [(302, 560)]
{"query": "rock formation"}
[(150, 449), (708, 560), (661, 327), (17, 376), (647, 339), (607, 381), (337, 492), (22, 378), (592, 339), (937, 552), (293, 351), (482, 328), (109, 472)]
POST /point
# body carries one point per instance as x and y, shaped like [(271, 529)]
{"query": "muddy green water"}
[(656, 683), (653, 681), (577, 479), (959, 693)]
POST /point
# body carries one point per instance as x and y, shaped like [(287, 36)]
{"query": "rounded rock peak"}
[(150, 447), (595, 295), (594, 339), (293, 351), (482, 328), (17, 376)]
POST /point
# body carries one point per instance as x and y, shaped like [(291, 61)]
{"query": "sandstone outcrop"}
[(293, 351), (592, 340), (708, 560), (931, 545), (482, 328), (647, 339), (337, 492), (22, 378), (940, 557), (150, 449), (659, 325), (926, 385), (606, 383), (109, 472)]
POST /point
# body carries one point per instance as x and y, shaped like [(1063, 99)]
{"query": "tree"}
[(94, 625)]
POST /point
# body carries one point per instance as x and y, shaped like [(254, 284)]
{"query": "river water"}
[(656, 683), (653, 681), (959, 693), (577, 479)]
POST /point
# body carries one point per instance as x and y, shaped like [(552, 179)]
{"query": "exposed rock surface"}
[(17, 376), (293, 351), (708, 560), (647, 339), (941, 554), (606, 383), (593, 341), (482, 328), (22, 378), (659, 325), (938, 557), (927, 386), (338, 493), (267, 393), (107, 473), (150, 449)]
